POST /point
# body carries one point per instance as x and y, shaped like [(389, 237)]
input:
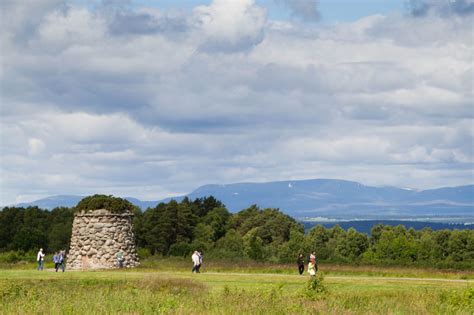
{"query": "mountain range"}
[(321, 198)]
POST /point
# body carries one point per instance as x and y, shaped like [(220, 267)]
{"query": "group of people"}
[(312, 266), (197, 261), (58, 259)]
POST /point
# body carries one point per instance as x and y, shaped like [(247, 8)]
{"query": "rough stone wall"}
[(97, 236)]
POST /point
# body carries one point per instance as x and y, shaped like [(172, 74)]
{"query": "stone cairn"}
[(97, 237)]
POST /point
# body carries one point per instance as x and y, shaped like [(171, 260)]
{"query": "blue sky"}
[(333, 10), (152, 99)]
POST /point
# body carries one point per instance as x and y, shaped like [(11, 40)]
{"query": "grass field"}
[(172, 289)]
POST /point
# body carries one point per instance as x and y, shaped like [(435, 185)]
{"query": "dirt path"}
[(347, 277)]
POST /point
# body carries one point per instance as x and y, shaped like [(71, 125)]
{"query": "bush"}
[(13, 257), (143, 253), (315, 287)]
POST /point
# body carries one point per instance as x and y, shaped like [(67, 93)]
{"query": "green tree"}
[(33, 232), (353, 244), (203, 235), (60, 228), (218, 219), (318, 238), (11, 220), (185, 222), (254, 247), (230, 246), (458, 245)]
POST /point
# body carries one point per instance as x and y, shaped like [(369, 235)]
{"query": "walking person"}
[(195, 259), (312, 267), (40, 259), (56, 261), (61, 260), (200, 262), (300, 263), (120, 258)]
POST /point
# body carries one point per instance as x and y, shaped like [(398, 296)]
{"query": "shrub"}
[(315, 287), (113, 204), (13, 257), (143, 253)]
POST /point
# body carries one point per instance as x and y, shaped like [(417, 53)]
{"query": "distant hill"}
[(72, 200), (53, 202), (341, 198), (323, 197), (365, 226)]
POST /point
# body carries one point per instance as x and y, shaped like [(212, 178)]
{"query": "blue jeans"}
[(40, 264)]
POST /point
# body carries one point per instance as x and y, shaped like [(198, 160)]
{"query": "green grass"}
[(171, 289)]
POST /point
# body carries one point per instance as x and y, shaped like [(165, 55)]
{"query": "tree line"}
[(178, 228)]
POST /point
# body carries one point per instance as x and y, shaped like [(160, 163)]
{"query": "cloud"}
[(444, 8), (146, 21), (305, 10), (35, 146), (149, 103), (230, 25)]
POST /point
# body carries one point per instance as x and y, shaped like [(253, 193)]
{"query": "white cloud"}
[(230, 24), (145, 103), (35, 146)]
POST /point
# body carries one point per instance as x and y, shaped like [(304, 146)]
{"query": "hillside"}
[(323, 197)]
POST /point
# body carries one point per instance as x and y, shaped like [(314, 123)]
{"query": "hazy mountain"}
[(53, 202), (72, 200), (322, 197), (342, 198)]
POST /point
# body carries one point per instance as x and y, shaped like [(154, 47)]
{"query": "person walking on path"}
[(200, 262), (195, 259), (40, 259), (312, 268), (300, 263), (61, 260), (120, 258), (56, 261)]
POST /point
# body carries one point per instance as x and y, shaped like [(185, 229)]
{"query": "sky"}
[(151, 99)]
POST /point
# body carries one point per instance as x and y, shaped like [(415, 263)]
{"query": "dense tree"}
[(178, 228), (11, 220), (60, 228), (353, 244), (230, 246), (218, 218)]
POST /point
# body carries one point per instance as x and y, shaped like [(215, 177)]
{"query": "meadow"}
[(168, 286)]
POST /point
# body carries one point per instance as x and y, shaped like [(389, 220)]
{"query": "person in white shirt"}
[(40, 259), (195, 259)]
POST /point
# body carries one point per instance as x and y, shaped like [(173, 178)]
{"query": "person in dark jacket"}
[(61, 260), (300, 263), (56, 261)]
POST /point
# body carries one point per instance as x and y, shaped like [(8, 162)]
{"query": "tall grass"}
[(155, 293), (250, 266)]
